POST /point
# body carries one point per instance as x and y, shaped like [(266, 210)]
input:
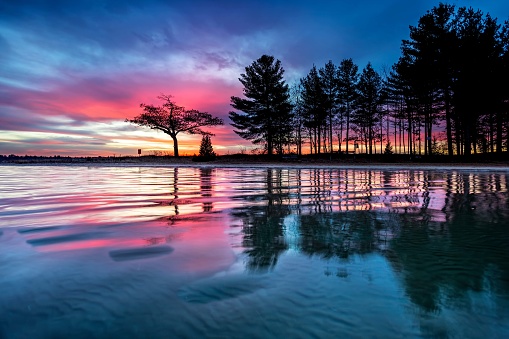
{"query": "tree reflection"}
[(443, 262), (444, 233), (263, 224), (343, 234), (206, 187)]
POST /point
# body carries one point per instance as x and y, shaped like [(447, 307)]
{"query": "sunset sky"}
[(72, 71)]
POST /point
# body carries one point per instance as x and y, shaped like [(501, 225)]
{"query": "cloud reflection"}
[(442, 233)]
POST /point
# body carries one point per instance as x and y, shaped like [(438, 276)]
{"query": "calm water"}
[(302, 253)]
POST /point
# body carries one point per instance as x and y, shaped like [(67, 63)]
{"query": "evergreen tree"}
[(368, 104), (206, 149), (396, 90), (348, 77), (431, 52), (453, 65), (420, 54), (298, 115), (388, 148), (330, 85), (503, 116), (314, 105), (478, 75), (266, 111)]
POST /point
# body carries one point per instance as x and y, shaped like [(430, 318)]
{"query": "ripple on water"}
[(221, 288), (319, 253), (66, 238), (140, 253), (39, 229)]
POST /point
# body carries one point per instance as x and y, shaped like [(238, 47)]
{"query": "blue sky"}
[(72, 71)]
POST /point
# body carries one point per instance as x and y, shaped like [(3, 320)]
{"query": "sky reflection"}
[(417, 244)]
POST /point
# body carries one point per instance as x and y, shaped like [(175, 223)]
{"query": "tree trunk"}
[(410, 132), (319, 138), (310, 131), (457, 135), (347, 127), (270, 144), (450, 151), (370, 138), (492, 133), (468, 139), (395, 137), (299, 141), (340, 134), (330, 134), (175, 146), (499, 132)]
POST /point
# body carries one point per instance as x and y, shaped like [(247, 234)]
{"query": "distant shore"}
[(250, 161)]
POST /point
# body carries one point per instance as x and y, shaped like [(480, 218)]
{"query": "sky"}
[(71, 72)]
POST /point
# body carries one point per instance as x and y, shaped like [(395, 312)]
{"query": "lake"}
[(163, 252)]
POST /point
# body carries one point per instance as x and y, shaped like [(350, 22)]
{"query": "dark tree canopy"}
[(266, 112), (368, 102), (330, 84), (206, 149), (454, 72), (173, 119), (315, 107), (348, 77)]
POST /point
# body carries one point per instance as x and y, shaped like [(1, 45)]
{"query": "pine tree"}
[(368, 102), (388, 148), (206, 149), (267, 112), (348, 77), (315, 107)]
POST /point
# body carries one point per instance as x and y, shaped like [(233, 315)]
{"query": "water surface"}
[(222, 252)]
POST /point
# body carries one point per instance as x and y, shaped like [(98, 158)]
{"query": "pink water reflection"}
[(74, 209), (190, 252)]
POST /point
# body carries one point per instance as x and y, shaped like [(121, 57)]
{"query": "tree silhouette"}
[(206, 149), (348, 77), (330, 85), (173, 119), (368, 104), (315, 107), (298, 116), (267, 109), (453, 68)]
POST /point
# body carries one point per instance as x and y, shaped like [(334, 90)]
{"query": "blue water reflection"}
[(264, 252)]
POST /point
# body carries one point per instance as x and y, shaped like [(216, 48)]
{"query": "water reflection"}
[(206, 187), (262, 224), (445, 234), (352, 252)]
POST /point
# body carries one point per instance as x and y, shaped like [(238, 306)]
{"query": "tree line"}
[(447, 94)]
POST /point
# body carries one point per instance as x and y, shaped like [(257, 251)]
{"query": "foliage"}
[(314, 105), (330, 85), (206, 149), (266, 111), (453, 67), (368, 102), (348, 78), (173, 119), (298, 118), (388, 148), (438, 147)]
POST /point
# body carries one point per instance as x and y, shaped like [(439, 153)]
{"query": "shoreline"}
[(260, 164)]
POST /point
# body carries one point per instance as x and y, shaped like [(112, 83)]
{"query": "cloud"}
[(79, 68)]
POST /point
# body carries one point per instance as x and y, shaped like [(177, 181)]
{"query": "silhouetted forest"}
[(447, 94)]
